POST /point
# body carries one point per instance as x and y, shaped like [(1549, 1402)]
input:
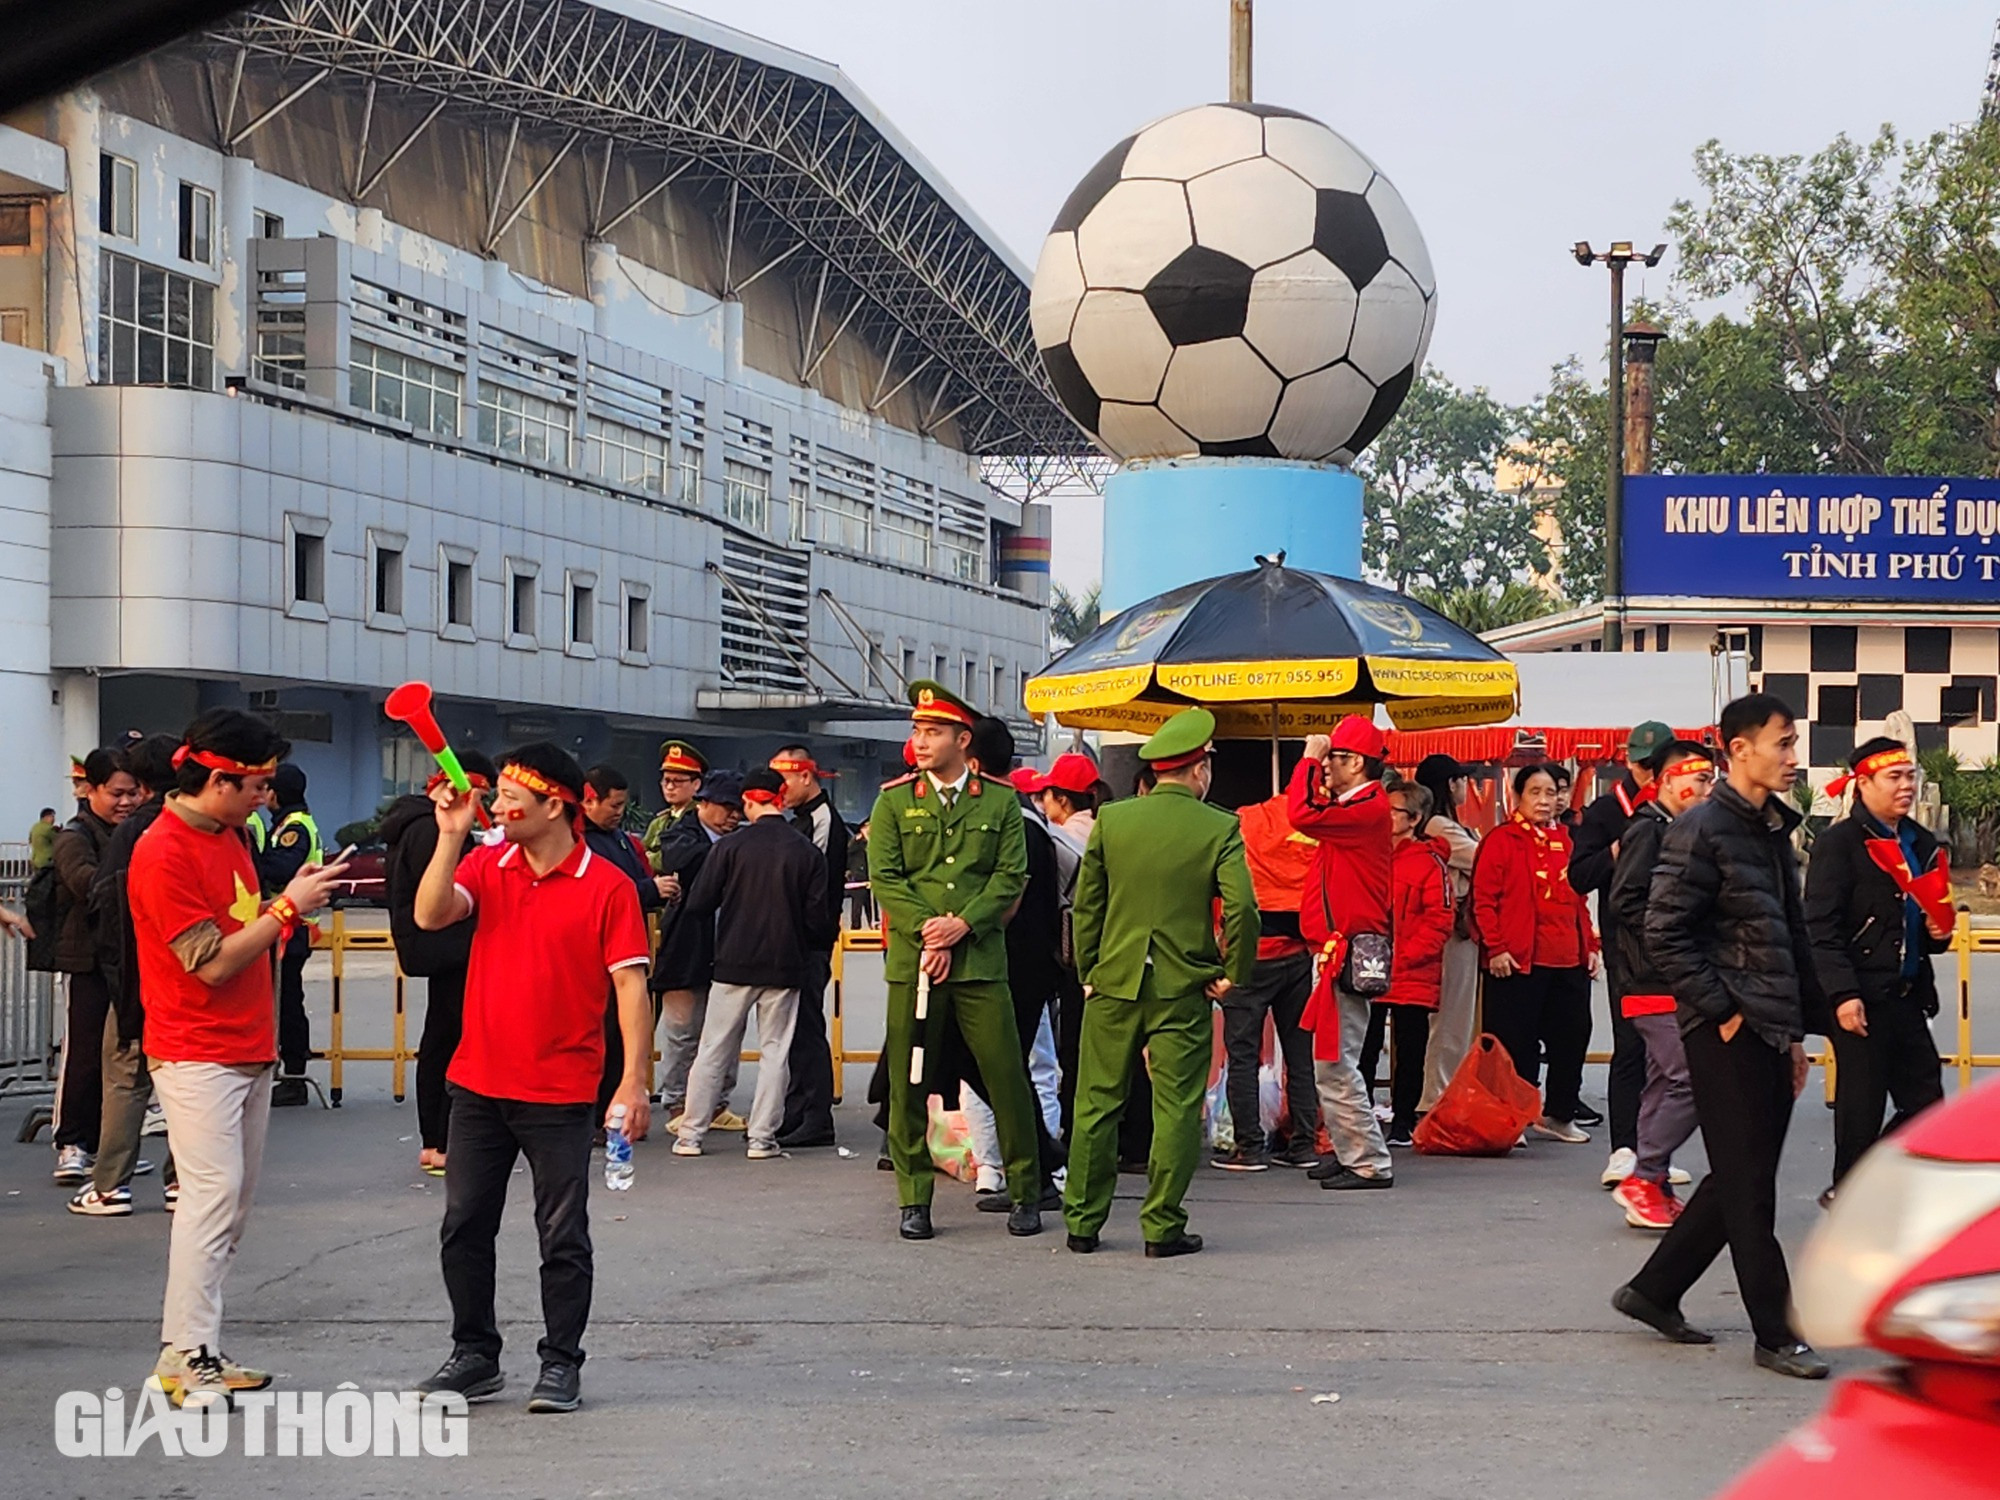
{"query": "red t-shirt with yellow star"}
[(181, 877)]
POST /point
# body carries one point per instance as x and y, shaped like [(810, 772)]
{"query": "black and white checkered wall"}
[(1846, 680)]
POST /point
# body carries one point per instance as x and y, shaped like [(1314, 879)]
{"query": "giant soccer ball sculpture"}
[(1234, 280)]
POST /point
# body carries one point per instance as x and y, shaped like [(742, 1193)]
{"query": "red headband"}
[(537, 783), (783, 763), (1881, 760), (438, 779), (221, 763), (762, 797)]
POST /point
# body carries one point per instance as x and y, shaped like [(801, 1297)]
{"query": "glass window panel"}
[(152, 359), (177, 362), (202, 374)]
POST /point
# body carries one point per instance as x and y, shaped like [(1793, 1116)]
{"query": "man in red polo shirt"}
[(550, 921), (202, 937)]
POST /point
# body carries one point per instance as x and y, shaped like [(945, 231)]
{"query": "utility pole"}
[(1618, 257), (1239, 51)]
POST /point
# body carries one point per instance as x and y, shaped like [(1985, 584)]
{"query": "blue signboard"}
[(1793, 536)]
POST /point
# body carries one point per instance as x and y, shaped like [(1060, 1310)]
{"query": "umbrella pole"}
[(1275, 787)]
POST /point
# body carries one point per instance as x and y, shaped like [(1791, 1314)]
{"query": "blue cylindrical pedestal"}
[(1171, 522)]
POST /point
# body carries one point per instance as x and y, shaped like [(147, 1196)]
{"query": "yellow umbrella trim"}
[(1238, 681), (1253, 721), (1416, 678), (1100, 689)]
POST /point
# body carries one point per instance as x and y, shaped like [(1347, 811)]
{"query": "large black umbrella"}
[(1276, 651)]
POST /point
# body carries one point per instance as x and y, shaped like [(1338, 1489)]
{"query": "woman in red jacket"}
[(1420, 917), (1539, 949)]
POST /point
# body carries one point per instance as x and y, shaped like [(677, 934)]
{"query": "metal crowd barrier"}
[(852, 940), (28, 1047)]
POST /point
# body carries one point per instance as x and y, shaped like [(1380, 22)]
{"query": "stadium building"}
[(618, 373)]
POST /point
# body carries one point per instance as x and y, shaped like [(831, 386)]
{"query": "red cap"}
[(1361, 736), (910, 754), (1024, 779), (1070, 773)]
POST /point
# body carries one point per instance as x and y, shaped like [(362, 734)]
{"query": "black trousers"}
[(1279, 987), (79, 1112), (1628, 1079), (444, 1020), (1743, 1094), (809, 1088), (1897, 1061), (487, 1135), (294, 1032), (1544, 1010)]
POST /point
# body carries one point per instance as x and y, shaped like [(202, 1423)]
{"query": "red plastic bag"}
[(1484, 1108)]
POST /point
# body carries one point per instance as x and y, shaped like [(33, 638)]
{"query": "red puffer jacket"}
[(1522, 901), (1420, 914)]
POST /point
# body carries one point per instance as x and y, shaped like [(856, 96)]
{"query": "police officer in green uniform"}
[(293, 842), (947, 861), (681, 769), (1144, 930)]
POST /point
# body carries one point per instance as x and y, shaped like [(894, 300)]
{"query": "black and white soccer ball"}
[(1235, 279)]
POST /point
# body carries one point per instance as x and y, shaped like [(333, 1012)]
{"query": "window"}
[(458, 594), (519, 423), (269, 226), (688, 491), (154, 327), (389, 384), (625, 455), (308, 568), (1959, 705), (197, 224), (305, 567), (638, 621), (844, 521), (13, 325), (387, 599), (969, 684), (746, 495), (909, 664), (117, 197), (17, 224), (937, 667), (998, 701), (582, 590), (962, 556), (523, 582), (904, 539)]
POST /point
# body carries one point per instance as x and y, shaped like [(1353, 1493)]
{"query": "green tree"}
[(1074, 616), (1433, 516), (1483, 607)]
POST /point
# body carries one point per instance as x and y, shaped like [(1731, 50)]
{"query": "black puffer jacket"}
[(1855, 915), (1725, 921), (1622, 908), (410, 831), (78, 850)]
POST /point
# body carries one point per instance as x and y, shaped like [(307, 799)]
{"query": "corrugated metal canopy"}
[(810, 170)]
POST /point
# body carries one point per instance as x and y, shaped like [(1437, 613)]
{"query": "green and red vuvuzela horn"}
[(411, 704)]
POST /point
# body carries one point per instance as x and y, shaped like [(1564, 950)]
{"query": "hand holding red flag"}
[(1930, 890)]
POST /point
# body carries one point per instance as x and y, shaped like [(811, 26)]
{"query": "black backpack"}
[(40, 904)]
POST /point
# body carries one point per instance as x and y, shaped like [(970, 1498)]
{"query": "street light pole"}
[(1617, 258), (1239, 51)]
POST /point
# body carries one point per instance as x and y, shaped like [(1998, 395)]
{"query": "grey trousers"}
[(1667, 1115), (128, 1089), (1348, 1112), (679, 1042), (714, 1071), (1456, 1021)]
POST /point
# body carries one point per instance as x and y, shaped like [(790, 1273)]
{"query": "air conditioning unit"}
[(264, 700)]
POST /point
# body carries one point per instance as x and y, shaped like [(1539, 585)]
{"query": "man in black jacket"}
[(128, 1083), (809, 1096), (764, 890), (1725, 925), (1597, 838), (409, 830), (1871, 946), (1683, 775), (686, 962), (109, 796)]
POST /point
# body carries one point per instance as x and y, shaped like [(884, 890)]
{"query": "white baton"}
[(923, 1010)]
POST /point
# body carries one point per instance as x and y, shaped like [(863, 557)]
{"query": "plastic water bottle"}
[(617, 1153)]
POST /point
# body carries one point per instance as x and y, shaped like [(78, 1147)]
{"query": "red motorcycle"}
[(1907, 1261)]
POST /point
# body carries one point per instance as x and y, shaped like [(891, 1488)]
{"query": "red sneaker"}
[(1647, 1205)]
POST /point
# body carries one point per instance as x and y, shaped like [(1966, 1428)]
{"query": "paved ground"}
[(759, 1330)]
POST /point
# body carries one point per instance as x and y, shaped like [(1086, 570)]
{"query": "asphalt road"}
[(759, 1330)]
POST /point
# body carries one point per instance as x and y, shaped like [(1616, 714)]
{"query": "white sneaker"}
[(1565, 1131), (684, 1146), (1384, 1114), (156, 1121), (989, 1180), (112, 1205), (1624, 1162), (73, 1165), (170, 1196), (763, 1150), (1679, 1176)]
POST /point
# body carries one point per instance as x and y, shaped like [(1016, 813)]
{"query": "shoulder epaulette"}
[(900, 781)]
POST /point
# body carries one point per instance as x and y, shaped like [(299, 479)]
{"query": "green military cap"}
[(1180, 741), (1646, 740), (679, 755), (934, 702)]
